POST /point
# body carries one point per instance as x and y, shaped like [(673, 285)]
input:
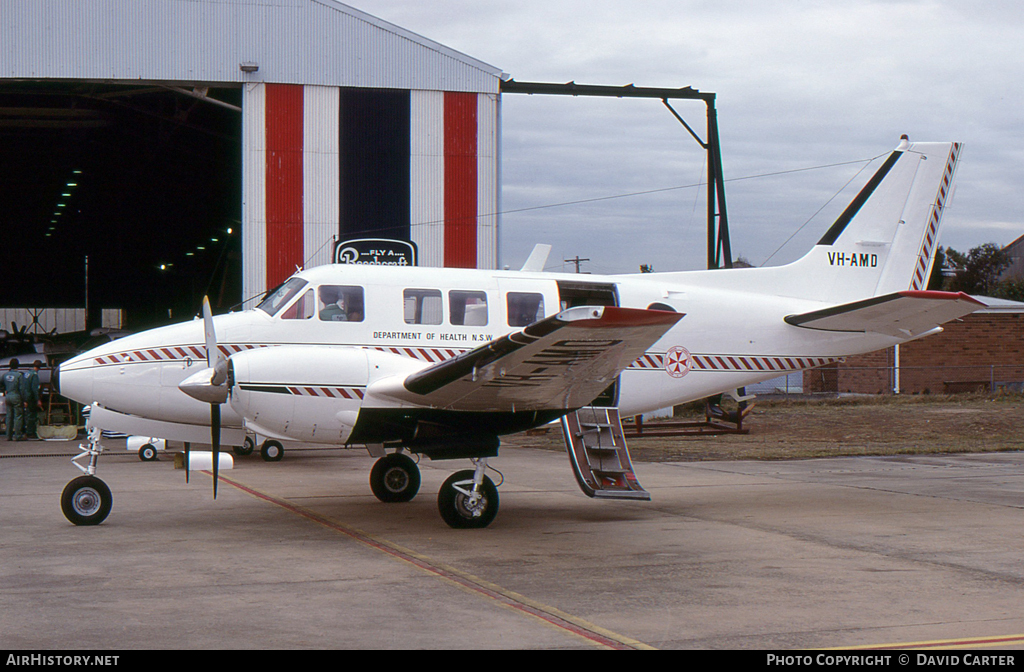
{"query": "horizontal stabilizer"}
[(905, 314), (561, 362)]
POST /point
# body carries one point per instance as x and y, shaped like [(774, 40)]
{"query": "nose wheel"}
[(86, 501)]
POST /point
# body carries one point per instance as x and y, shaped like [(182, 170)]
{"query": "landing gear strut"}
[(395, 478), (248, 445), (87, 500), (468, 499)]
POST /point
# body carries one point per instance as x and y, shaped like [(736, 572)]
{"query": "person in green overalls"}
[(33, 402), (13, 386)]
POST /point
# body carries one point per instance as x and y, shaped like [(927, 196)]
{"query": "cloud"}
[(798, 84)]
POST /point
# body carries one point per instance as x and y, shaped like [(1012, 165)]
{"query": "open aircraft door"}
[(571, 294)]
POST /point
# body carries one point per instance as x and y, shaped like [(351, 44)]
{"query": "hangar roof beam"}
[(719, 249)]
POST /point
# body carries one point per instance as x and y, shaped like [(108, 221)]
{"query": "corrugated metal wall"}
[(307, 52), (427, 175), (293, 41), (451, 174)]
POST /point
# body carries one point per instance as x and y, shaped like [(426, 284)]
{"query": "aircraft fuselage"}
[(403, 319)]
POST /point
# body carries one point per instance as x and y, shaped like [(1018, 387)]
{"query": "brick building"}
[(982, 351)]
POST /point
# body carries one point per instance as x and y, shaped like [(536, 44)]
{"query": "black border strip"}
[(851, 211)]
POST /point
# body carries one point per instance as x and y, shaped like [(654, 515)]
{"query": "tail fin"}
[(885, 240)]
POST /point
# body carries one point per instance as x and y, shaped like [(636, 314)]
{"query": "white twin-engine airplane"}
[(441, 362)]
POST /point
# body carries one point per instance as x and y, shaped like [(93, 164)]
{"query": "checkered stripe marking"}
[(328, 392), (655, 362), (171, 354), (430, 355), (920, 278), (650, 361)]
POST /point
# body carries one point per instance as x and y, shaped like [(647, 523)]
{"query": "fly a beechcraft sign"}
[(375, 252)]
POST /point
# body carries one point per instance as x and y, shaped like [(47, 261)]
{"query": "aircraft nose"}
[(71, 380), (55, 379)]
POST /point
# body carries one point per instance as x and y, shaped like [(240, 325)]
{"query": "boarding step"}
[(599, 455)]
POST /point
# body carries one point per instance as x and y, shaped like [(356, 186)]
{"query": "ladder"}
[(56, 402), (598, 454)]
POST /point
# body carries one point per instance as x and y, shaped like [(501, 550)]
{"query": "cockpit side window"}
[(301, 309), (279, 298), (340, 303)]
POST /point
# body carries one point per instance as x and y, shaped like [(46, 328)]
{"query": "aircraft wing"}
[(560, 362), (901, 314)]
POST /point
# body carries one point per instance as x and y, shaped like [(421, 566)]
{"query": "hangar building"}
[(201, 133)]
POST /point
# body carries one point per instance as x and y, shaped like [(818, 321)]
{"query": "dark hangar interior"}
[(134, 190)]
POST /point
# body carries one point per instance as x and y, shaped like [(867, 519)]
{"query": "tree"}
[(1012, 290), (977, 272)]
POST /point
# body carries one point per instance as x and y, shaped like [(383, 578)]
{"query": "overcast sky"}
[(799, 85)]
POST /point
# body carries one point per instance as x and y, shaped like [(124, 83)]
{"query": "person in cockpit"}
[(334, 304)]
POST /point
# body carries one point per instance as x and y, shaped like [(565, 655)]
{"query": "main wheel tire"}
[(86, 501), (454, 505), (395, 478), (248, 445), (272, 451)]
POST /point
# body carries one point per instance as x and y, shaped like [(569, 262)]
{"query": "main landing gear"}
[(395, 478), (270, 450), (467, 499), (87, 500)]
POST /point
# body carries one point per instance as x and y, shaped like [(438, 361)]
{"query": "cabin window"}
[(467, 308), (423, 306), (301, 309), (340, 303), (279, 298), (524, 308)]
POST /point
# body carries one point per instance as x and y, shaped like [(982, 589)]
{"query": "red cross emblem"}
[(677, 362)]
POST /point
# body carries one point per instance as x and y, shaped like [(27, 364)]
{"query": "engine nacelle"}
[(300, 393)]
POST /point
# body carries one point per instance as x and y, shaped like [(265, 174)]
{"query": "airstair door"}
[(599, 456)]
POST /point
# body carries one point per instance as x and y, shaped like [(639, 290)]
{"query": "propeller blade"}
[(187, 450), (212, 352), (217, 378), (215, 442)]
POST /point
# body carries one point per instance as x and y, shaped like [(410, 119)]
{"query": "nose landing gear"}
[(87, 500)]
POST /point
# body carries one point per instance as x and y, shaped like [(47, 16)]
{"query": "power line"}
[(646, 192)]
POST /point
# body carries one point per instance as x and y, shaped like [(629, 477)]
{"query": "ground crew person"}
[(33, 402), (13, 384)]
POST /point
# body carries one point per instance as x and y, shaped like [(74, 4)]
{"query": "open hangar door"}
[(144, 180)]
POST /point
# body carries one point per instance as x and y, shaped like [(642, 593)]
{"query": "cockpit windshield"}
[(280, 297)]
